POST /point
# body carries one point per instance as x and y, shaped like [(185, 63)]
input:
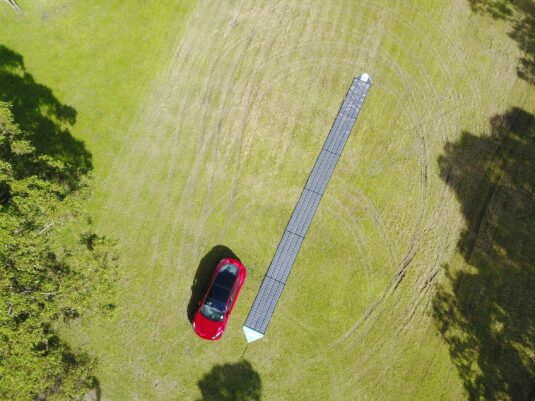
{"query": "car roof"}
[(220, 291)]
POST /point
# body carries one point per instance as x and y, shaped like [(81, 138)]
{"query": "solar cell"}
[(322, 171), (339, 133), (304, 212), (269, 294), (285, 256)]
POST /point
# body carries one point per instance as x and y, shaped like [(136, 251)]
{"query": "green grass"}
[(205, 134), (97, 57)]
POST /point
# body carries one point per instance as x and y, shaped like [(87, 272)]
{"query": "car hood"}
[(207, 328)]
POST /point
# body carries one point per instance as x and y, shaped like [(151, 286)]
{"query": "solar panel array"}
[(286, 253)]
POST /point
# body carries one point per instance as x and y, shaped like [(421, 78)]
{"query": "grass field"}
[(204, 120)]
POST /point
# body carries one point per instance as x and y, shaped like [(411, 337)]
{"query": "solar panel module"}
[(271, 288)]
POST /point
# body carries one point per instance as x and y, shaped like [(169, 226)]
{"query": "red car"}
[(214, 310)]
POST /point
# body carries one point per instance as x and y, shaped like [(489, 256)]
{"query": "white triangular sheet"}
[(251, 335)]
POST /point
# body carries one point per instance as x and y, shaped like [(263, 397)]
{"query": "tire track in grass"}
[(438, 215), (423, 173), (410, 254), (439, 202), (278, 76), (413, 239), (134, 143), (447, 75), (229, 47), (378, 224), (404, 327), (182, 117), (392, 347), (267, 45), (359, 198), (138, 145), (427, 276), (289, 71), (148, 269), (208, 151), (252, 82), (200, 225), (266, 29), (152, 116), (358, 235), (435, 91), (206, 139), (156, 87), (251, 98)]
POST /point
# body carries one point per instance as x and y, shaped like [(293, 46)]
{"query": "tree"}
[(53, 268)]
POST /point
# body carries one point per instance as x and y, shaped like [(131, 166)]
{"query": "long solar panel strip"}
[(271, 288)]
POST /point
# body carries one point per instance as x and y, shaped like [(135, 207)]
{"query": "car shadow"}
[(204, 273)]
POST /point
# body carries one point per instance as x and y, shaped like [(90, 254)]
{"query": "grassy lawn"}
[(99, 57), (204, 121)]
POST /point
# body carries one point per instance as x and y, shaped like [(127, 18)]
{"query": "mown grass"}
[(99, 57), (214, 147)]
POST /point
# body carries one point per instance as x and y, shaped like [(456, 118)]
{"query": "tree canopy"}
[(53, 267)]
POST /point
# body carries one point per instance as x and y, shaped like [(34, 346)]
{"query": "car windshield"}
[(217, 298), (211, 313)]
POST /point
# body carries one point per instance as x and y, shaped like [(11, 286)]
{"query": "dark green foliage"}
[(44, 121), (231, 382), (486, 310), (53, 266)]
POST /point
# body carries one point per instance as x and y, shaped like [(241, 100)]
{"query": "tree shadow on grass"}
[(95, 393), (231, 382), (39, 113), (71, 375), (204, 274), (485, 310), (521, 15)]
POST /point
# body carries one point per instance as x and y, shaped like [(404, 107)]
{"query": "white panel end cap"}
[(365, 77), (251, 335)]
